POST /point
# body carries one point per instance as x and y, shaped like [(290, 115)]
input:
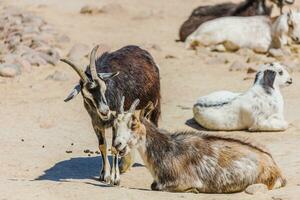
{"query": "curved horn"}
[(93, 63), (78, 70), (122, 104), (134, 105)]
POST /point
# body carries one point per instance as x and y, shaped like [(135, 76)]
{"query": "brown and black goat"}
[(130, 72), (247, 8)]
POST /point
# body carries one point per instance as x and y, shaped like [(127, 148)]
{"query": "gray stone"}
[(238, 65), (10, 70), (256, 188)]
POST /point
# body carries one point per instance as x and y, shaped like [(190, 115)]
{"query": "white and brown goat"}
[(194, 161), (130, 72)]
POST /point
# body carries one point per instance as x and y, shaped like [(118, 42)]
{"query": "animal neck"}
[(154, 143), (263, 89)]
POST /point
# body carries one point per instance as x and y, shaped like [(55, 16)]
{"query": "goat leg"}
[(115, 172), (105, 169)]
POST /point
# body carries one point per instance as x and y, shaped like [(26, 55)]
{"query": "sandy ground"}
[(32, 108)]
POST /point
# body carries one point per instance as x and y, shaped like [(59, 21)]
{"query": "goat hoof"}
[(115, 182), (105, 179)]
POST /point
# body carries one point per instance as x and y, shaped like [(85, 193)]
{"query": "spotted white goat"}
[(259, 33), (194, 161), (258, 109)]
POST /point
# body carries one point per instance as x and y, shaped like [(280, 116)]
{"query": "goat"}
[(258, 109), (194, 161), (232, 33), (129, 71), (206, 13)]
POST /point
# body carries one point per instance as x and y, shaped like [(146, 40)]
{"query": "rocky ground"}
[(44, 141)]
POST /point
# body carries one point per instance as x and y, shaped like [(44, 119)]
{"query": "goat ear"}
[(74, 93), (269, 77), (147, 111), (105, 76)]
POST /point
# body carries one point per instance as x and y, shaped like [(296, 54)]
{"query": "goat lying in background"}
[(194, 161), (258, 109), (246, 8), (129, 71), (258, 33)]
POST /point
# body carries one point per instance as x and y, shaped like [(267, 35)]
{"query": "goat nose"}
[(117, 145)]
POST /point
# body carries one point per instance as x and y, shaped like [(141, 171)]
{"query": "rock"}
[(89, 9), (25, 65), (10, 70), (53, 59), (256, 188), (276, 53), (238, 65), (78, 51), (57, 76)]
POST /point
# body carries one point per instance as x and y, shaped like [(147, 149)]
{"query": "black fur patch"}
[(268, 80), (212, 105)]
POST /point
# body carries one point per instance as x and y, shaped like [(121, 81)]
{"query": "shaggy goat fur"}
[(194, 161)]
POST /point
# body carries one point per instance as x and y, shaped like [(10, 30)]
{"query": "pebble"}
[(69, 151), (256, 188), (89, 9), (238, 65), (10, 70)]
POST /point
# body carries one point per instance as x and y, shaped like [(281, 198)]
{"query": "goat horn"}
[(122, 104), (78, 70), (93, 63), (134, 105)]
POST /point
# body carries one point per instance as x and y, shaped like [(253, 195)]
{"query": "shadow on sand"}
[(76, 168)]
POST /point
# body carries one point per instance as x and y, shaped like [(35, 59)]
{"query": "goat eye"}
[(280, 73)]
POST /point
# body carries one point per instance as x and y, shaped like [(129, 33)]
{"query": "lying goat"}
[(258, 33), (206, 13), (258, 109), (194, 161), (129, 71)]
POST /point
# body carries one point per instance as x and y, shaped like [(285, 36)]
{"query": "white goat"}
[(255, 32), (258, 109)]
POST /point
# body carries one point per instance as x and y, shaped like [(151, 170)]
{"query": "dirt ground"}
[(37, 127)]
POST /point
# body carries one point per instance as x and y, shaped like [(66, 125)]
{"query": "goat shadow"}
[(75, 168)]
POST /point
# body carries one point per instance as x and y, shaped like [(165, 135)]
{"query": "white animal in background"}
[(258, 109), (255, 32)]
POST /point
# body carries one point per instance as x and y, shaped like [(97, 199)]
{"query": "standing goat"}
[(258, 33), (207, 13), (194, 161), (258, 109), (129, 71)]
